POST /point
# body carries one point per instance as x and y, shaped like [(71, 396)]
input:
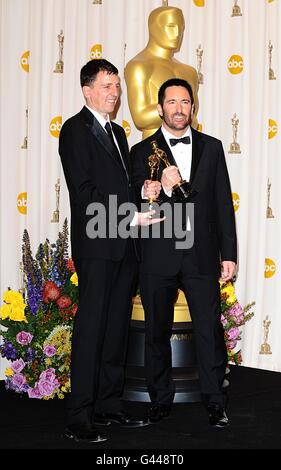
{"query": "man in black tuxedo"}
[(95, 158), (198, 159)]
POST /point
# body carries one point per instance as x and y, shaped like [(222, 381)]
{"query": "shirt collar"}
[(169, 136), (99, 117)]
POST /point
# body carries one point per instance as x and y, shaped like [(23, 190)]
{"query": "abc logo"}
[(270, 268), (200, 127), (96, 51), (236, 201), (127, 128), (272, 128), (199, 3), (24, 61), (22, 203), (55, 126), (235, 64)]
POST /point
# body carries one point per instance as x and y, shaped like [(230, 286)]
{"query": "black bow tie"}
[(184, 140)]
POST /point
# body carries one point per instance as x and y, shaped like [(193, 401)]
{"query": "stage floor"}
[(254, 411)]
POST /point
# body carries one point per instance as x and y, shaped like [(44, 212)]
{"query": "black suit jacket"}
[(214, 220), (93, 172)]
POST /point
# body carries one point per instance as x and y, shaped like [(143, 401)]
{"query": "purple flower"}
[(29, 355), (8, 350), (46, 388), (50, 350), (34, 392), (24, 338), (236, 312), (231, 344), (18, 381), (233, 333), (223, 320), (49, 375), (18, 365)]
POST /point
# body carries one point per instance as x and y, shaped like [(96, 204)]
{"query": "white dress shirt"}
[(103, 122), (182, 153)]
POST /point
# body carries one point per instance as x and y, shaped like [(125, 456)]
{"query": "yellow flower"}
[(74, 279), (231, 300), (17, 314), (61, 338), (9, 372), (228, 290), (5, 311), (48, 362), (13, 297), (14, 306)]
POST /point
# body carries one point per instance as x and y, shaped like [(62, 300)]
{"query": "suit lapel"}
[(197, 149), (100, 134), (162, 144), (122, 145)]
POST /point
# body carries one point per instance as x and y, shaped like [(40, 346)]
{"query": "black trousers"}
[(202, 292), (99, 343)]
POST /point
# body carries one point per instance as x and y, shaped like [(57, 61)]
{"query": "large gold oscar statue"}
[(144, 75), (146, 72)]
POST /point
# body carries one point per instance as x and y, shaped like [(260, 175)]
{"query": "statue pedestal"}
[(185, 373)]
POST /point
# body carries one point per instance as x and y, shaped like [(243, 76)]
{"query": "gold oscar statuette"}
[(59, 64), (97, 2), (150, 68), (181, 190), (236, 10), (234, 146), (164, 3), (25, 142), (271, 74), (265, 347), (153, 163), (56, 213), (199, 53), (269, 213)]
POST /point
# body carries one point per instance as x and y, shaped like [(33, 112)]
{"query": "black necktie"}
[(184, 140), (119, 157)]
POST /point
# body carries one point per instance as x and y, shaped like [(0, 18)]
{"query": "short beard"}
[(171, 126)]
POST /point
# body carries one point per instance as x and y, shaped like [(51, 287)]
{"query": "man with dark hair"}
[(95, 158), (198, 159)]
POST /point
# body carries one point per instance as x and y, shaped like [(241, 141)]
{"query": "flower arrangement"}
[(38, 322), (233, 317)]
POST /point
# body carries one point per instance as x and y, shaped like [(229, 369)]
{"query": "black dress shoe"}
[(121, 418), (217, 416), (84, 433), (157, 412)]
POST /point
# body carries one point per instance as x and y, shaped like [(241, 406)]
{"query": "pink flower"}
[(223, 320), (34, 392), (19, 381), (46, 388), (24, 338), (18, 365), (230, 344), (233, 333), (49, 375), (50, 350)]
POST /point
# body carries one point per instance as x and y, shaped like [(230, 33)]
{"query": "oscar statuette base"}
[(185, 373)]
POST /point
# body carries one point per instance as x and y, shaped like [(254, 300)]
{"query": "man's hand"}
[(145, 218), (170, 177), (151, 189), (228, 269)]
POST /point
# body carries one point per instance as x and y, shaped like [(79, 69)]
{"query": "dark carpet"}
[(254, 410)]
